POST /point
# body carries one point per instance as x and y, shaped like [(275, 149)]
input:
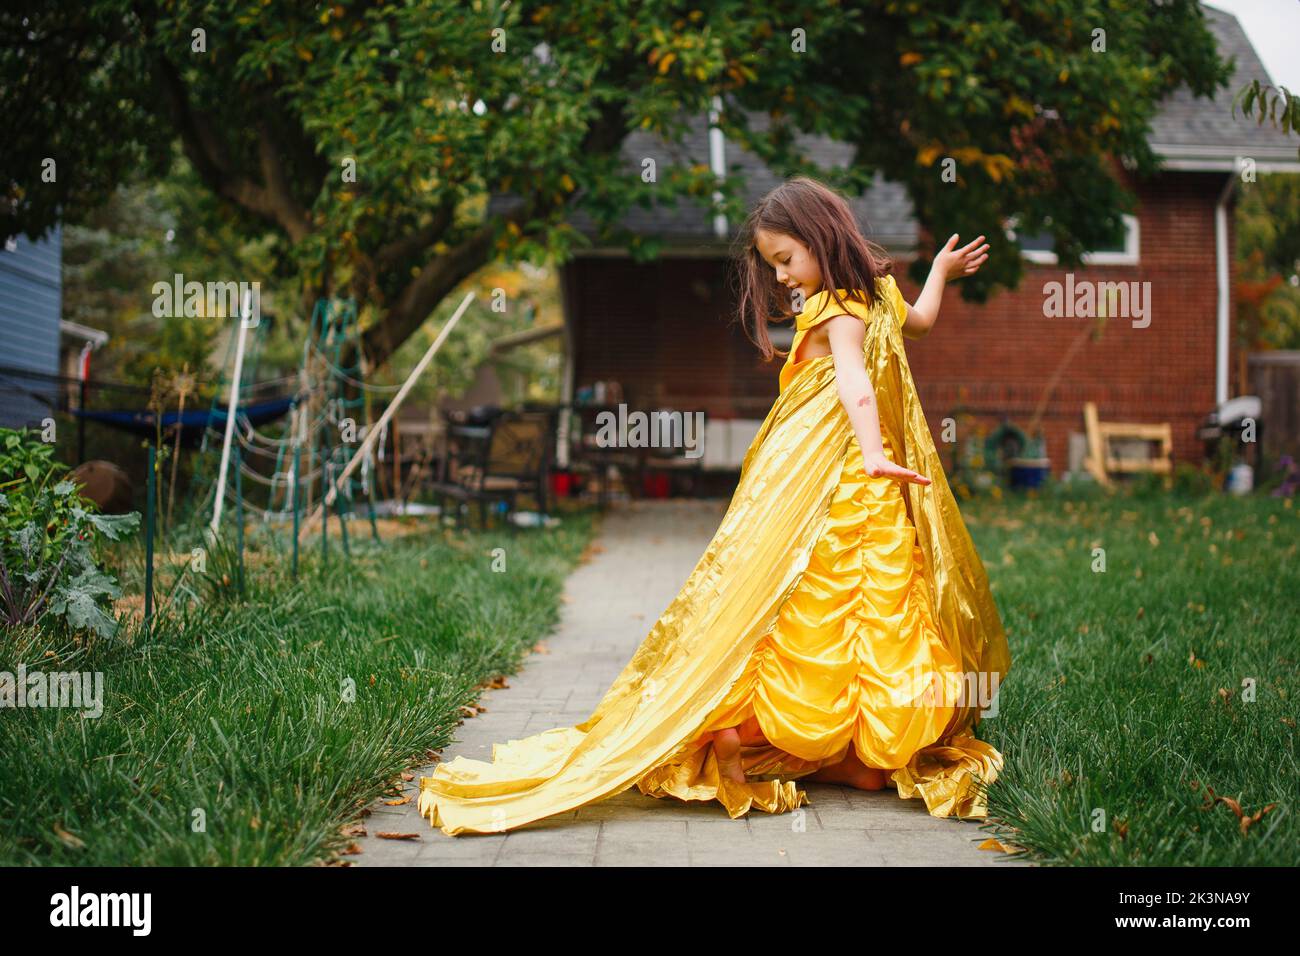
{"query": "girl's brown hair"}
[(821, 219)]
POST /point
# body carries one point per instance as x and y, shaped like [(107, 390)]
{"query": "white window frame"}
[(1130, 256)]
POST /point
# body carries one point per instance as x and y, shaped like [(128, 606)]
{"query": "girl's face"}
[(794, 264)]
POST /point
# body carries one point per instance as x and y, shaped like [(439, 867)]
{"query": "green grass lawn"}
[(247, 733), (1136, 691), (1131, 691)]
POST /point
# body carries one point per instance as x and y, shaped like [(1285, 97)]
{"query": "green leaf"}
[(115, 527)]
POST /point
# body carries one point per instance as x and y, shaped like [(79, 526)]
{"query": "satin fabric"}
[(839, 609)]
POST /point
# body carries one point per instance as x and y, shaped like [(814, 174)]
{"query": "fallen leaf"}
[(1245, 820), (994, 844), (385, 835), (68, 839)]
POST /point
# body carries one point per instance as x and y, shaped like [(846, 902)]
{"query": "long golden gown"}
[(838, 609)]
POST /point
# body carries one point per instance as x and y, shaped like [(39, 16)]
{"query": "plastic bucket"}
[(1029, 472)]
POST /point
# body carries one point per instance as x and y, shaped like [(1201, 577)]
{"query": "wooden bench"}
[(1101, 462)]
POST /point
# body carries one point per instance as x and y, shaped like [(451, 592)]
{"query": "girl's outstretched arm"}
[(949, 264), (847, 335)]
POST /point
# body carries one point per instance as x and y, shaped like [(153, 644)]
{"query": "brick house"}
[(663, 330)]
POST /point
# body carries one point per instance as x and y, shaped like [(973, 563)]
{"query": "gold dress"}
[(837, 609)]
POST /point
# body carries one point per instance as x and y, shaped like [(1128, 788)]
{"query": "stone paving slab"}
[(649, 550)]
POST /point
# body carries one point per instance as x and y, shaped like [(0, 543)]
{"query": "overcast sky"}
[(1273, 27)]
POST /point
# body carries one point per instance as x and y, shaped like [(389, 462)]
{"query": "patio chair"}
[(502, 460)]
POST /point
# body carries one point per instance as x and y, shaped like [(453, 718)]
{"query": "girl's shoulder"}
[(822, 306)]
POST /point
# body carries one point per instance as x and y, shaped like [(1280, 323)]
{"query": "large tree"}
[(435, 105)]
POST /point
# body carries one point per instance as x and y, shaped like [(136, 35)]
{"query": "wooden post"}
[(373, 435), (231, 407), (1096, 460)]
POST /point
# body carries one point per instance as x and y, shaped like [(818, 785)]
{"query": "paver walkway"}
[(650, 548)]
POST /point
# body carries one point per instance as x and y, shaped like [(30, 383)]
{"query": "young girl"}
[(818, 685), (839, 626)]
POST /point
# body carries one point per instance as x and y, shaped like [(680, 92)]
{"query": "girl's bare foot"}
[(853, 772), (726, 747), (857, 777), (871, 778)]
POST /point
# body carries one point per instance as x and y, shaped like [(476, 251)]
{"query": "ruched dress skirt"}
[(853, 648)]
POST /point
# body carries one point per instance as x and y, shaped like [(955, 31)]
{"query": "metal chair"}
[(499, 462)]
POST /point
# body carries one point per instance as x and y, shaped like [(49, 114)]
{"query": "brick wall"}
[(998, 358), (664, 330)]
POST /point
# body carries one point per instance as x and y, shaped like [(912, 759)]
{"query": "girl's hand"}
[(878, 466), (953, 263)]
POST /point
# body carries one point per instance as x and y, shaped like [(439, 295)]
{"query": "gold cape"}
[(651, 728)]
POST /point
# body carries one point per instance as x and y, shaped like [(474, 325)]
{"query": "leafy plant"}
[(47, 542), (22, 460)]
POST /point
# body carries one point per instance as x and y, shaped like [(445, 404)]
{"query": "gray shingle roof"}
[(1187, 132), (885, 210), (1186, 126)]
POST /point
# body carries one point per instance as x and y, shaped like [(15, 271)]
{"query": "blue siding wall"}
[(31, 302)]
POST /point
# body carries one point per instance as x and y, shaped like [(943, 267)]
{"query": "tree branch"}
[(437, 279), (402, 249), (274, 201)]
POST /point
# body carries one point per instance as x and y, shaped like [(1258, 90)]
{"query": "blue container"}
[(1029, 472)]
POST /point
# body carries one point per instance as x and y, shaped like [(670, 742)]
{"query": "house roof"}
[(1187, 133), (1191, 133)]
